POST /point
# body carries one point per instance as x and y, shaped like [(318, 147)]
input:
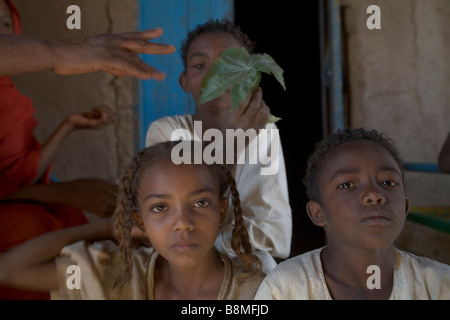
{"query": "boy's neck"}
[(356, 273)]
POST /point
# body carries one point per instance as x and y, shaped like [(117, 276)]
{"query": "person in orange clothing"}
[(30, 204)]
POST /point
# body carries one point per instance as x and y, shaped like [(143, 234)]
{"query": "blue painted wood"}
[(166, 98), (333, 116), (422, 167)]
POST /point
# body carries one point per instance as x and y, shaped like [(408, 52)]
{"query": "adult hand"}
[(139, 238), (117, 54), (98, 117), (96, 196)]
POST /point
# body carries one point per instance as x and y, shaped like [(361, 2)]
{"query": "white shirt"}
[(99, 264), (302, 278)]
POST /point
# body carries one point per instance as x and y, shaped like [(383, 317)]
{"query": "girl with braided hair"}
[(175, 212)]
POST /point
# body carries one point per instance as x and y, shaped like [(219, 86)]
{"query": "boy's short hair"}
[(216, 26), (321, 155)]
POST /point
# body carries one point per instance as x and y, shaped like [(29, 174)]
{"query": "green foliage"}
[(239, 71)]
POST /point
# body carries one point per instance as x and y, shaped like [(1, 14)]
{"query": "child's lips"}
[(376, 218), (183, 246)]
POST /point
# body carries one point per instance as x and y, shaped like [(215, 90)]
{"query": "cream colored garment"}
[(302, 278), (264, 198), (99, 266)]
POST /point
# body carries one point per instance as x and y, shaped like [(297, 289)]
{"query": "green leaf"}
[(273, 119), (240, 72), (265, 63)]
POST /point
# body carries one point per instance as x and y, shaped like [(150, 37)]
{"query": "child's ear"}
[(223, 209), (137, 218), (406, 206), (182, 80), (315, 213)]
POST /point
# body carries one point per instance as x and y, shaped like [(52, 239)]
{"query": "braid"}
[(240, 238), (123, 215)]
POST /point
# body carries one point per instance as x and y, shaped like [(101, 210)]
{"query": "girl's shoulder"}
[(237, 283), (96, 267)]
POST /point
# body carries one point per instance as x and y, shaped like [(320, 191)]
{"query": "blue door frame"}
[(177, 18), (333, 113)]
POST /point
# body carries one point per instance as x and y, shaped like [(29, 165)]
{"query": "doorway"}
[(291, 37)]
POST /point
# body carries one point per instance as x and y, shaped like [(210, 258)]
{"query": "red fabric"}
[(20, 154), (23, 221)]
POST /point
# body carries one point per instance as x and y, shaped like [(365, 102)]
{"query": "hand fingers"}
[(105, 212), (108, 205), (257, 110), (143, 46), (97, 117), (105, 113), (144, 34), (132, 65), (93, 123), (109, 209), (137, 42), (244, 104), (263, 115), (123, 56)]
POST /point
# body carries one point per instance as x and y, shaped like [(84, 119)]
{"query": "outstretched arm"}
[(97, 196), (31, 265), (117, 54), (98, 117)]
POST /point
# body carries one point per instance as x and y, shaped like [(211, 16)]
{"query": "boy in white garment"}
[(355, 183)]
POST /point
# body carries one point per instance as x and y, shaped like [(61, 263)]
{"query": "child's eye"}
[(159, 208), (198, 66), (345, 185), (201, 203), (388, 183)]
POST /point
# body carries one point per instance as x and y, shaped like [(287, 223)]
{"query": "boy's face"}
[(6, 25), (363, 197), (201, 55)]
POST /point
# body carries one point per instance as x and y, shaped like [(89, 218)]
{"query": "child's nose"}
[(183, 220), (373, 195)]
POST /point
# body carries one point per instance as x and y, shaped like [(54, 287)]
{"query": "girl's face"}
[(200, 56), (181, 211), (363, 198), (6, 25)]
